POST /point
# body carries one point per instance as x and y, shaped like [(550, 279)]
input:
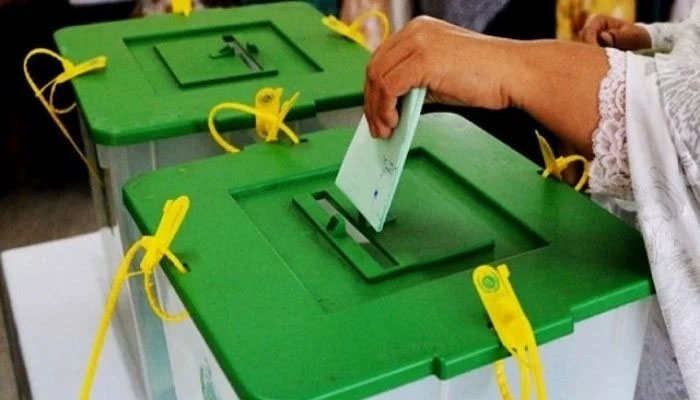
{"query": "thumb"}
[(607, 39), (623, 39)]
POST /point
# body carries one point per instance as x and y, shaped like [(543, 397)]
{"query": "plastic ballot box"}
[(293, 296), (149, 107)]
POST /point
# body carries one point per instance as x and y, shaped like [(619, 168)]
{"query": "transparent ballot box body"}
[(293, 296), (148, 109)]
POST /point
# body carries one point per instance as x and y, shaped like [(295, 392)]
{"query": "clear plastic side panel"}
[(177, 150), (600, 360), (346, 118), (143, 331), (196, 373), (113, 167)]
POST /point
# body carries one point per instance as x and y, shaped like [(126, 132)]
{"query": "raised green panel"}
[(191, 59), (191, 63)]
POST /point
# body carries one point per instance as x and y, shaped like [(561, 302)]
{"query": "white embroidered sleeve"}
[(609, 173), (663, 34)]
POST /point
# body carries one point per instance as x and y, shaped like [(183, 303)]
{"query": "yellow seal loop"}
[(183, 7), (70, 71), (502, 380), (269, 117), (555, 166), (156, 247), (512, 327), (267, 100), (354, 30)]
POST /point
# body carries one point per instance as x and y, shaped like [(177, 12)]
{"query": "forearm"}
[(557, 83)]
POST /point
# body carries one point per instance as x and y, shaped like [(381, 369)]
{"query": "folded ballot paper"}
[(372, 167)]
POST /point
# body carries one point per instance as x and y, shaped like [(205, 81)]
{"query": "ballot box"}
[(291, 295), (149, 107)]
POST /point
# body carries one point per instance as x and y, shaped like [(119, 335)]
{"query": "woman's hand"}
[(612, 32), (555, 82), (457, 67)]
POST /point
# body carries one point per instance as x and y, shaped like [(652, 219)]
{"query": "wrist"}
[(505, 67), (557, 83), (519, 73)]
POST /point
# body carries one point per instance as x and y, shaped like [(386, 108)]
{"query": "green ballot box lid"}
[(298, 298), (164, 73)]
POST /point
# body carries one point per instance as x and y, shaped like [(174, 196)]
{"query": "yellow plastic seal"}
[(512, 327), (70, 71), (156, 247), (555, 166), (183, 7), (269, 117), (354, 30)]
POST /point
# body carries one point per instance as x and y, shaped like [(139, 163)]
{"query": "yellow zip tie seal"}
[(156, 247), (354, 30), (70, 71), (513, 329), (269, 117), (183, 7), (555, 166)]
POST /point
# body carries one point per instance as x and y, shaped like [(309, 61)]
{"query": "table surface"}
[(57, 302)]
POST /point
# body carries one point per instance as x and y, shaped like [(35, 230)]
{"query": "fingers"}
[(380, 95), (400, 64), (610, 32), (607, 39), (395, 83), (373, 85), (591, 30), (623, 39), (382, 92), (380, 108), (379, 118), (374, 72), (578, 21), (366, 110), (631, 38)]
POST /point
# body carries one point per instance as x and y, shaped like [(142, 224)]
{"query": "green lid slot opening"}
[(394, 250)]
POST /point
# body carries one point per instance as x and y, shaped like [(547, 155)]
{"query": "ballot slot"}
[(248, 53), (401, 246), (339, 225), (333, 226)]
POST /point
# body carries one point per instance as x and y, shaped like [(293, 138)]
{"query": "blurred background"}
[(44, 188)]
